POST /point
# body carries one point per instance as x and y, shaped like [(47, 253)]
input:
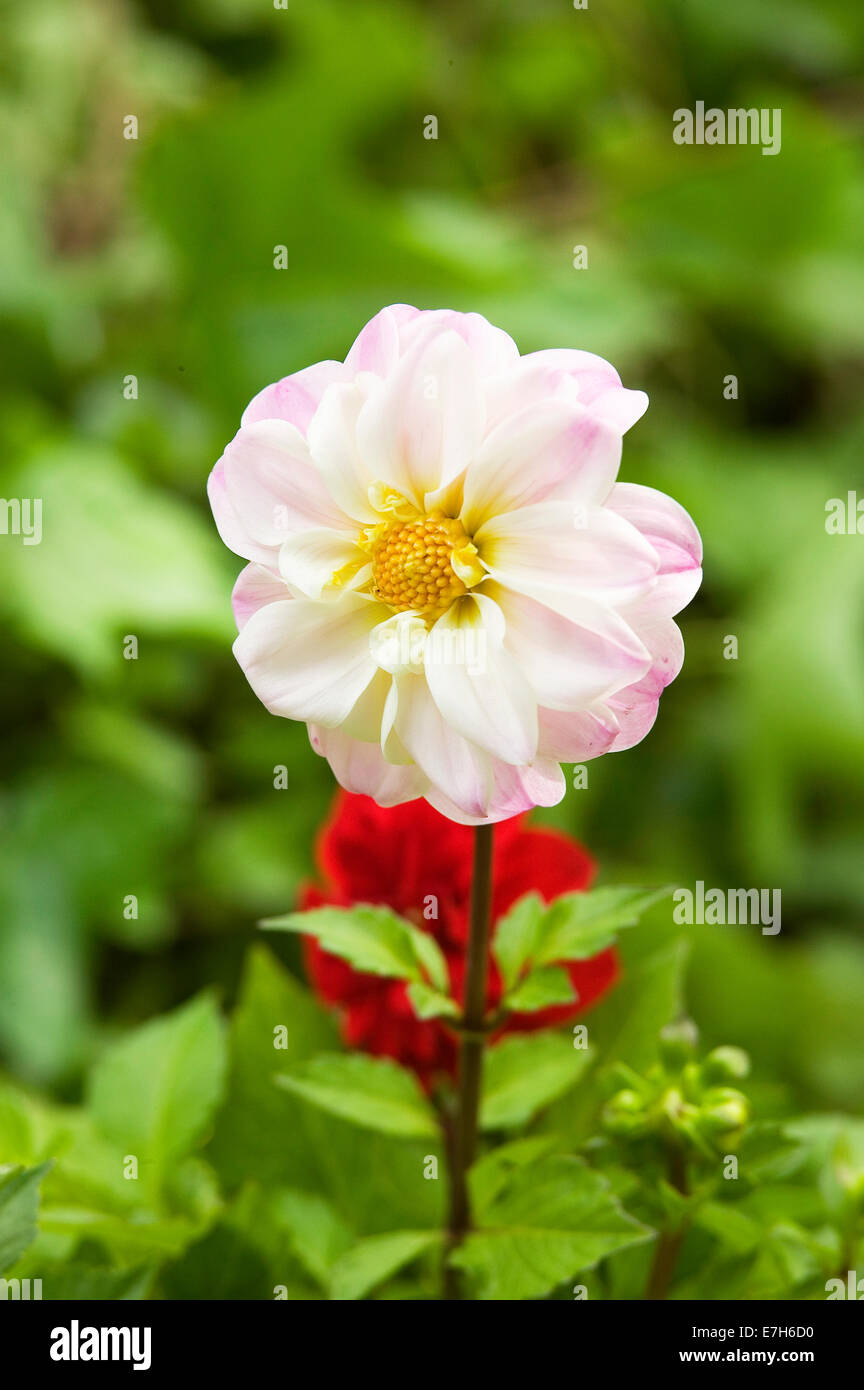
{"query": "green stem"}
[(463, 1133), (669, 1242)]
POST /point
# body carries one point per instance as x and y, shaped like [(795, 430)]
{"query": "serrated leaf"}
[(319, 1236), (542, 989), (430, 1003), (555, 1219), (430, 956), (19, 1204), (522, 1074), (372, 1092), (372, 1261), (579, 925), (155, 1092), (373, 939), (491, 1173), (276, 1023), (516, 936)]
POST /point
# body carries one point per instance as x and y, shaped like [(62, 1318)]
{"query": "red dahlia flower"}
[(411, 858)]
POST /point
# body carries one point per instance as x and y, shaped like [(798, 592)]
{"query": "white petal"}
[(552, 450), (310, 560), (514, 790), (376, 347), (273, 486), (366, 720), (333, 445), (673, 534), (577, 737), (477, 685), (295, 398), (591, 551), (309, 660), (421, 425), (568, 663), (229, 525), (570, 374), (460, 770), (361, 768), (492, 350), (636, 706), (399, 642), (256, 586)]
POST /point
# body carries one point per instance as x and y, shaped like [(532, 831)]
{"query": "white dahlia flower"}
[(446, 583)]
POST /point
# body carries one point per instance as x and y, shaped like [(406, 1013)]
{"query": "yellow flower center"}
[(423, 564)]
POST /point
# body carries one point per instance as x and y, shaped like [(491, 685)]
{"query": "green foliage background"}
[(303, 127)]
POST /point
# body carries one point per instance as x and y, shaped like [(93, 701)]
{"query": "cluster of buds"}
[(682, 1100)]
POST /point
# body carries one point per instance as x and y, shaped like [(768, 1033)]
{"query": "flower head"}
[(446, 583), (414, 860)]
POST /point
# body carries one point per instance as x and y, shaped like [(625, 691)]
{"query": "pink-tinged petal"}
[(515, 790), (451, 763), (492, 350), (574, 375), (310, 560), (273, 488), (333, 445), (551, 547), (229, 525), (576, 738), (256, 586), (519, 788), (570, 664), (419, 427), (673, 534), (554, 450), (308, 660), (376, 347), (635, 707), (295, 398), (361, 768), (478, 686)]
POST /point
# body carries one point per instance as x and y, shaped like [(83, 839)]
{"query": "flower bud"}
[(726, 1064), (678, 1042), (625, 1116), (723, 1110)]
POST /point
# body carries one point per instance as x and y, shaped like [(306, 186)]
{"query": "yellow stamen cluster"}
[(412, 564)]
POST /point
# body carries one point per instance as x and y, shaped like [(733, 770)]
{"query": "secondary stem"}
[(669, 1243), (463, 1137)]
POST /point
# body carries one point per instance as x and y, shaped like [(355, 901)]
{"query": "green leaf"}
[(522, 1074), (277, 1139), (223, 1265), (494, 1170), (276, 1022), (372, 939), (430, 1003), (516, 936), (19, 1204), (80, 1281), (155, 1092), (557, 1217), (372, 1261), (578, 925), (542, 989), (319, 1236), (369, 1091)]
